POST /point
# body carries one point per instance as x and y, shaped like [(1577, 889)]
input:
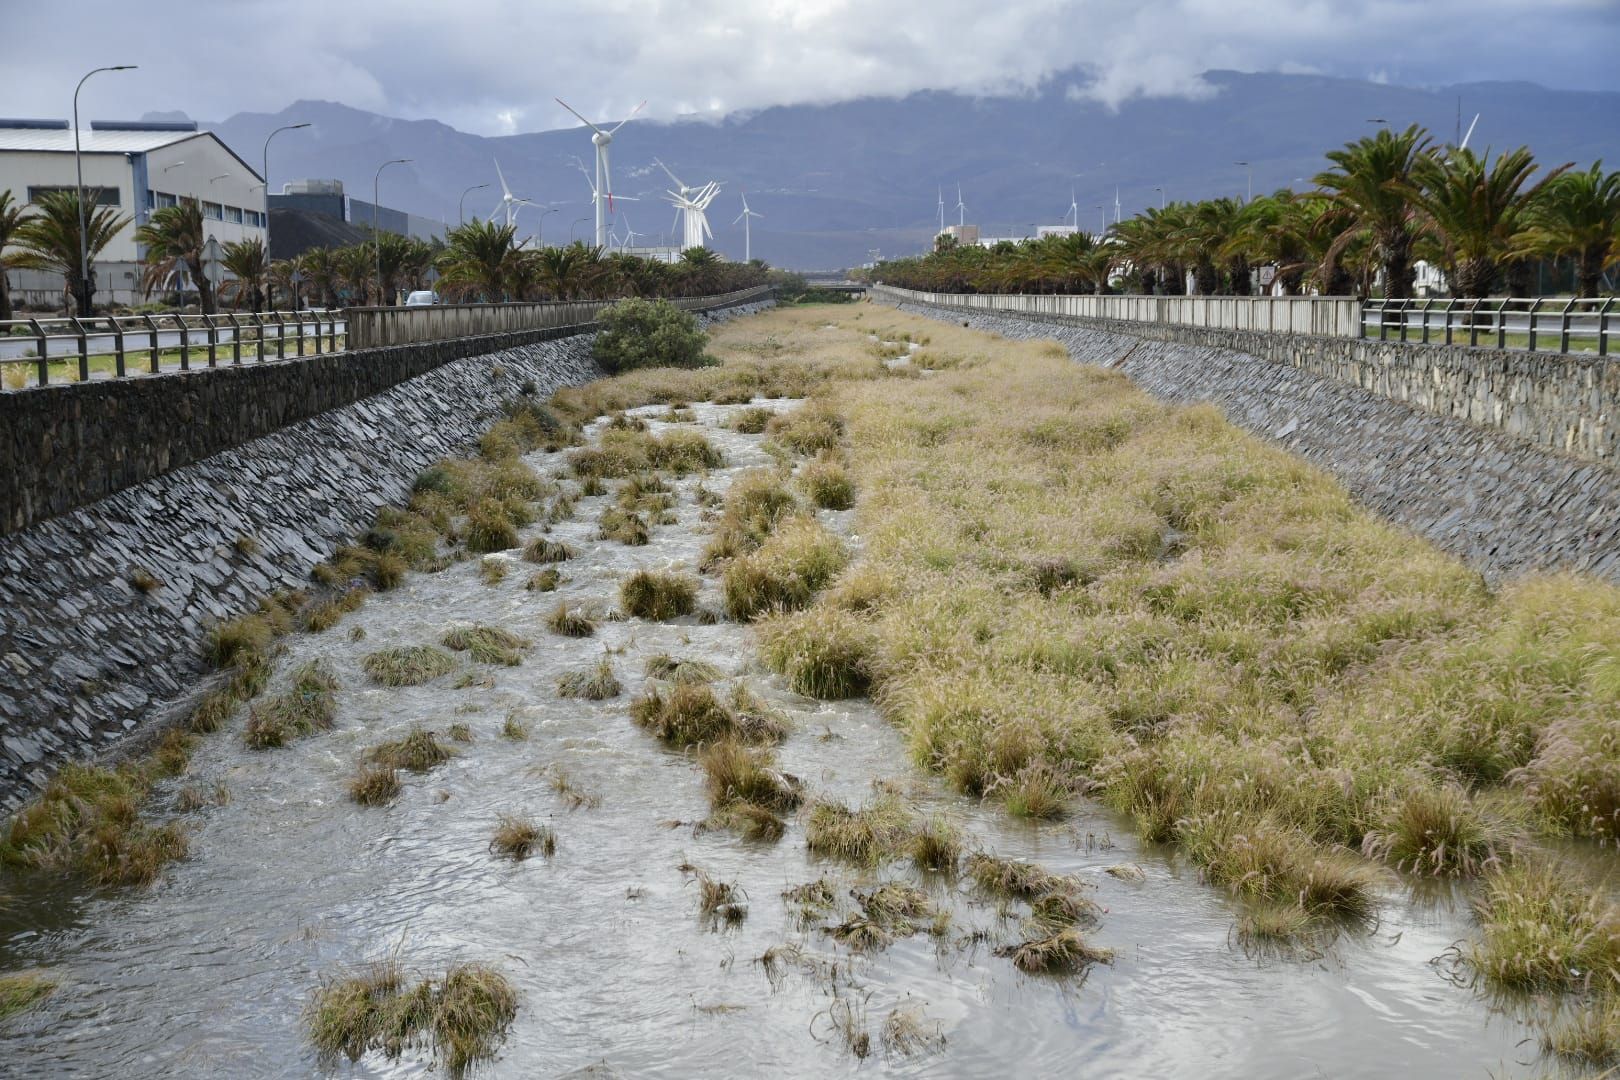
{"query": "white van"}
[(422, 298)]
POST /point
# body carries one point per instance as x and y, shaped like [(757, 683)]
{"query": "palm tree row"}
[(1388, 201)]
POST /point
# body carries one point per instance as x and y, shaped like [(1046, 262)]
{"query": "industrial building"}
[(135, 167), (300, 198)]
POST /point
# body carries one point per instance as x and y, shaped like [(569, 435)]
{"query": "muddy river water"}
[(206, 973)]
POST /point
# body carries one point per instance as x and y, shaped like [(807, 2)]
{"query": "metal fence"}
[(1556, 324), (1324, 316), (379, 326), (117, 346)]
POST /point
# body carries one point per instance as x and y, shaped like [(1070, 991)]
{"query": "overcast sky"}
[(493, 66)]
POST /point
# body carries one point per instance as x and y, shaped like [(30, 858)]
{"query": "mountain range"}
[(836, 182)]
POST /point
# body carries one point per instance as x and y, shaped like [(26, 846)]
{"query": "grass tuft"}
[(306, 707), (865, 836), (542, 550), (487, 644), (672, 669), (1063, 952), (518, 837), (658, 595), (545, 580), (22, 990), (375, 785), (570, 622), (418, 750), (596, 683), (825, 653), (407, 665)]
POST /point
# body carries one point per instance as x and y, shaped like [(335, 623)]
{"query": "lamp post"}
[(539, 226), (166, 168), (376, 184), (1160, 190), (267, 138), (1250, 198), (78, 168), (461, 203), (571, 228)]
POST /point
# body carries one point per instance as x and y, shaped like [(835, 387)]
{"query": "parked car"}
[(423, 298)]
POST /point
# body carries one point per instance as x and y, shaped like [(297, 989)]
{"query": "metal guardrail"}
[(374, 327), (1323, 316), (126, 344), (1548, 324)]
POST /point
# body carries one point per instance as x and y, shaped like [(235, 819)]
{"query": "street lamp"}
[(1250, 169), (267, 138), (78, 168), (1160, 190), (376, 183), (539, 226), (461, 203), (166, 168), (571, 228)]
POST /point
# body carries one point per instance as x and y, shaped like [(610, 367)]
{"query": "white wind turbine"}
[(596, 197), (961, 208), (1074, 210), (941, 209), (509, 203), (602, 189), (744, 217), (691, 205), (629, 234)]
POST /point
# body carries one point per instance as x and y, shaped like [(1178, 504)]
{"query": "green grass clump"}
[(798, 559), (306, 707), (936, 846), (375, 785), (827, 483), (1015, 879), (756, 502), (807, 429), (407, 665), (752, 421), (645, 493), (689, 714), (628, 529), (1440, 831), (490, 527), (487, 644), (1587, 1035), (543, 550), (658, 594), (1544, 929), (866, 836), (545, 580), (570, 622), (674, 669), (463, 1017), (418, 750), (87, 823), (825, 652), (596, 683), (742, 774), (22, 990), (517, 837), (491, 570)]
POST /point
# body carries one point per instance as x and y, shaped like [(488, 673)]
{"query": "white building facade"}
[(135, 168)]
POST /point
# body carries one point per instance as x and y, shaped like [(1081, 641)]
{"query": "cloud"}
[(493, 66)]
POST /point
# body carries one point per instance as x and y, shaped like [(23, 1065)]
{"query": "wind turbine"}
[(1074, 210), (1464, 144), (602, 189), (690, 205), (744, 217), (961, 210), (509, 203), (941, 209), (1116, 204), (629, 234), (596, 197)]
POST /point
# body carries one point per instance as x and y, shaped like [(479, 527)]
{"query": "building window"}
[(213, 211), (233, 214), (255, 218), (162, 199), (97, 196)]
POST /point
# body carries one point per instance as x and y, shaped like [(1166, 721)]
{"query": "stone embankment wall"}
[(87, 658), (1567, 403), (1499, 502)]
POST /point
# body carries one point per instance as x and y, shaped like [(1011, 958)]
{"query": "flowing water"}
[(206, 973)]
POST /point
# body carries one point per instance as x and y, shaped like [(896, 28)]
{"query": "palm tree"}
[(1475, 211), (1578, 216), (478, 260), (174, 238), (320, 272), (245, 261), (11, 221), (353, 269), (50, 241), (393, 255), (1373, 180)]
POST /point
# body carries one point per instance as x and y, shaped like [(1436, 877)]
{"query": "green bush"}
[(648, 333)]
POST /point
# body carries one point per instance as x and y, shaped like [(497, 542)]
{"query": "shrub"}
[(651, 594), (648, 333)]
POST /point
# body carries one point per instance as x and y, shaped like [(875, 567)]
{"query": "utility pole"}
[(376, 183), (267, 138)]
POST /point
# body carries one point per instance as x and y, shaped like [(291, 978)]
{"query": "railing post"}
[(118, 347), (1603, 327), (236, 338), (44, 351), (281, 335), (1427, 304), (317, 315), (332, 315), (213, 340), (1383, 320), (1501, 324), (1531, 318), (298, 327), (1563, 326), (258, 333), (185, 343), (1450, 305), (152, 343), (84, 349)]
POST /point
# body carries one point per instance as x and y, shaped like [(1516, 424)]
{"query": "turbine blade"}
[(739, 217), (505, 191), (669, 174), (582, 120), (1470, 135), (627, 119)]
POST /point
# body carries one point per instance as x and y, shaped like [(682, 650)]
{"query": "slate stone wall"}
[(1498, 501), (87, 659)]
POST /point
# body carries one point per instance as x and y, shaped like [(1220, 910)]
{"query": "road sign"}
[(212, 254)]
